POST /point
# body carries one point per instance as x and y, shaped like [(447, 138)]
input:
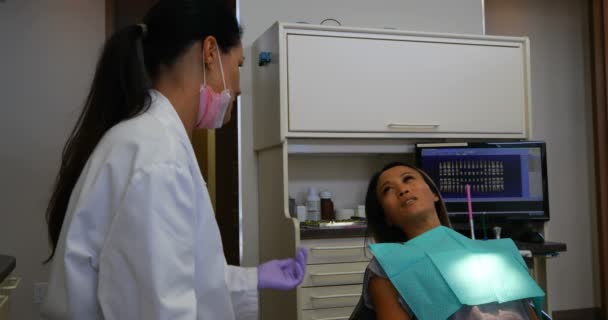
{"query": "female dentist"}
[(131, 225)]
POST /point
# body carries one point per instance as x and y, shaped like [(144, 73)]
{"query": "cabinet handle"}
[(336, 296), (327, 274), (413, 126), (10, 283), (332, 318), (337, 248)]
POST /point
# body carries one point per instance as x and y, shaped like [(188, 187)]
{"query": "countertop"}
[(544, 248), (7, 265)]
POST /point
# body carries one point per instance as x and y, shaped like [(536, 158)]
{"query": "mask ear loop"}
[(204, 73), (221, 67)]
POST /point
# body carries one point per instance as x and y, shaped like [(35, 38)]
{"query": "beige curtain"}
[(599, 51)]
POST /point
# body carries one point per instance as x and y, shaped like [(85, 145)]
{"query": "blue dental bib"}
[(441, 270)]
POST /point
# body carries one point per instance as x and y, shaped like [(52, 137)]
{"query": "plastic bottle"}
[(360, 211), (327, 206), (313, 205), (301, 212)]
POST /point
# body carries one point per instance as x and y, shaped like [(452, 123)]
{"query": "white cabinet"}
[(362, 83), (333, 276), (336, 265), (335, 104), (441, 86)]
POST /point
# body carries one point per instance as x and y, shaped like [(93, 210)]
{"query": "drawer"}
[(4, 312), (334, 274), (8, 285), (330, 296), (337, 250), (328, 314)]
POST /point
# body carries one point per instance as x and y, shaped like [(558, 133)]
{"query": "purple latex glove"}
[(283, 274)]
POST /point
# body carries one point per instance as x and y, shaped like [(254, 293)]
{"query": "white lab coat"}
[(140, 239)]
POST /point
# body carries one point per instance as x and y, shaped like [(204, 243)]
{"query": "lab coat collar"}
[(162, 108)]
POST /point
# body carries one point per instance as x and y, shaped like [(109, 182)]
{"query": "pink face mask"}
[(212, 106)]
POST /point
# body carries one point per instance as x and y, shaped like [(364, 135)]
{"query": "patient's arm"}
[(532, 313), (386, 300)]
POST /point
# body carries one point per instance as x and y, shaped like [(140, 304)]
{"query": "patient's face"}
[(405, 196)]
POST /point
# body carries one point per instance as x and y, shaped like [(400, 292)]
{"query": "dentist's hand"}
[(283, 274)]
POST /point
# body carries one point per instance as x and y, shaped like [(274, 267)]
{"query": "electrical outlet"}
[(40, 292)]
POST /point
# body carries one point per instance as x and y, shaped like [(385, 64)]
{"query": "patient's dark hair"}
[(376, 219)]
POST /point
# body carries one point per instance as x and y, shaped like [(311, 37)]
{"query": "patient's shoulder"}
[(375, 269)]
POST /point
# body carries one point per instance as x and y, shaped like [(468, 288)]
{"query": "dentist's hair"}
[(380, 230), (130, 61)]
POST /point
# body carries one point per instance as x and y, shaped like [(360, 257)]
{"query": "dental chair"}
[(361, 312)]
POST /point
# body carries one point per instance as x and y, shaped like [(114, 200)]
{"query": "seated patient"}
[(403, 203)]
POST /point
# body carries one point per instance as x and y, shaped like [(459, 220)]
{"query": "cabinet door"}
[(439, 87)]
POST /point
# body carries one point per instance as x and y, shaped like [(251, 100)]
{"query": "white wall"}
[(47, 58), (456, 16), (561, 105), (346, 177)]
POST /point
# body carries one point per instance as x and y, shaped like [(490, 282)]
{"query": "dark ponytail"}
[(130, 60)]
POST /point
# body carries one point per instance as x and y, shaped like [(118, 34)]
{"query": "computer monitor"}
[(506, 179)]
